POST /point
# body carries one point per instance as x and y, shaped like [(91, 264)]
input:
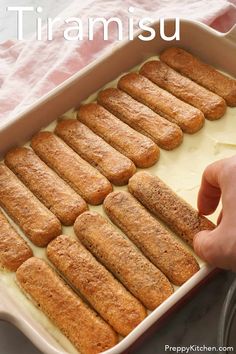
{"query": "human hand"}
[(218, 247)]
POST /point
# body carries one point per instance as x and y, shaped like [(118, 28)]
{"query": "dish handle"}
[(231, 34), (38, 335), (4, 306)]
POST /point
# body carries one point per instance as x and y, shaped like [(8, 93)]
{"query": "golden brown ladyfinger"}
[(48, 187), (78, 173), (79, 323), (150, 237), (13, 248), (212, 105), (187, 117), (165, 134), (116, 167), (120, 256), (162, 201), (104, 293), (202, 73), (137, 147), (38, 223)]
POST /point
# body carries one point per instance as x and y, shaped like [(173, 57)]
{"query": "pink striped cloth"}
[(31, 68)]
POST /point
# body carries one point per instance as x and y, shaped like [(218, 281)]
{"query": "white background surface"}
[(197, 322)]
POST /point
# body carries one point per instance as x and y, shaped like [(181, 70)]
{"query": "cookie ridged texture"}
[(13, 248), (116, 167), (83, 327), (202, 73), (151, 237), (121, 257), (39, 224), (106, 294), (212, 105), (162, 201)]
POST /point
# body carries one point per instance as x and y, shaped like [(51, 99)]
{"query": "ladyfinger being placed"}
[(80, 324), (162, 201), (78, 173), (13, 248), (212, 105), (137, 147), (111, 163), (38, 223), (48, 187), (150, 236), (202, 73), (187, 117), (165, 134), (104, 293), (121, 257)]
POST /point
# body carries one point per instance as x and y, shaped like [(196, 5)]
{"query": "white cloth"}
[(30, 69)]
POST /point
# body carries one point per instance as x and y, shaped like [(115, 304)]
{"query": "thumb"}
[(203, 247)]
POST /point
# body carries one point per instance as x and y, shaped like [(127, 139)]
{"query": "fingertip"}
[(204, 204), (207, 246), (208, 198), (220, 217), (210, 190), (198, 243)]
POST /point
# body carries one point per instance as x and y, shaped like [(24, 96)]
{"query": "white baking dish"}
[(213, 47)]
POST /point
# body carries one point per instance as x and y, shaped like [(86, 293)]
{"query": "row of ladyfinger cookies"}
[(40, 225), (159, 103), (180, 88), (122, 113), (116, 279), (146, 285)]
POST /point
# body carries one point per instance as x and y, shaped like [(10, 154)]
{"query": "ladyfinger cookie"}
[(202, 73), (13, 248), (212, 105), (120, 256), (104, 293), (150, 237), (78, 173), (116, 167), (48, 187), (187, 117), (80, 324), (38, 223), (165, 134), (162, 201), (137, 147)]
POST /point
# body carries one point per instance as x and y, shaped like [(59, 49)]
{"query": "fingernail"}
[(197, 244)]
